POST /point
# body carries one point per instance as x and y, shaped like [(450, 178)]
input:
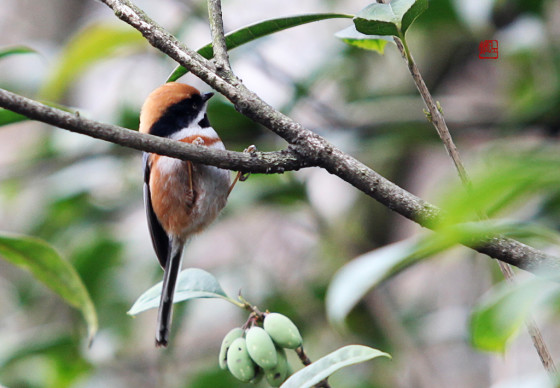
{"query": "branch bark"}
[(258, 162), (306, 148), (219, 46)]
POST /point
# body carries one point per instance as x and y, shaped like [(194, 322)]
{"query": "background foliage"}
[(282, 238)]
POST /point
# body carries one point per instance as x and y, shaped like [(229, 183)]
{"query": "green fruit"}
[(238, 361), (226, 343), (282, 331), (261, 348), (278, 374)]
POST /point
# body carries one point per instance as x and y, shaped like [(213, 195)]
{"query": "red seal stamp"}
[(488, 49)]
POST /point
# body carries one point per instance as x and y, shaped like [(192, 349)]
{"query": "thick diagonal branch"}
[(332, 159)]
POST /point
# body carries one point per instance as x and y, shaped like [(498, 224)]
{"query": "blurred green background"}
[(281, 238)]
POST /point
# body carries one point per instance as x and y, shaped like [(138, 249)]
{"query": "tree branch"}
[(259, 162), (340, 164), (306, 148)]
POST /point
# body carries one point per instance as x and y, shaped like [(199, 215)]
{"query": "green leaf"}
[(501, 183), (389, 19), (411, 13), (332, 362), (353, 281), (353, 37), (503, 311), (94, 43), (46, 265), (525, 230), (255, 31), (15, 50), (192, 283), (9, 117)]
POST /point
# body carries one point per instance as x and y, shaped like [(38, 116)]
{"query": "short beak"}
[(207, 96)]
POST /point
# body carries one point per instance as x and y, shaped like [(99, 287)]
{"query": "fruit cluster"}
[(259, 351)]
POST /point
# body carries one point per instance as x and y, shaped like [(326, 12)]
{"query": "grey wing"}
[(160, 240)]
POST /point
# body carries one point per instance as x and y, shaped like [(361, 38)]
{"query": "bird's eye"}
[(204, 123)]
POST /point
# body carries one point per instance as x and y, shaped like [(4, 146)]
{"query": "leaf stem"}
[(306, 361), (250, 307), (405, 47), (233, 301)]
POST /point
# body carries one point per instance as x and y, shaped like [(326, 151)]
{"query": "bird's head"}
[(172, 107)]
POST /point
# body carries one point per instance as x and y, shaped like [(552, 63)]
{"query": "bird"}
[(181, 198)]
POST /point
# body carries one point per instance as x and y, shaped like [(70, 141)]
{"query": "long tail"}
[(172, 268)]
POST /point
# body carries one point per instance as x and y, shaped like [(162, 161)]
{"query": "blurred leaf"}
[(523, 230), (355, 38), (233, 127), (389, 19), (352, 282), (255, 31), (506, 183), (64, 212), (37, 342), (475, 233), (5, 52), (442, 13), (129, 117), (499, 186), (39, 258), (329, 364), (9, 117), (504, 12), (214, 377), (95, 260), (192, 283), (279, 189), (94, 43), (502, 312), (549, 211)]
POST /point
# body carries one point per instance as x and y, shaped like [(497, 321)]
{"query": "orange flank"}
[(172, 198)]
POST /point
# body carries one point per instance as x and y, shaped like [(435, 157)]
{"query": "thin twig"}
[(306, 361), (533, 330), (219, 46), (436, 117)]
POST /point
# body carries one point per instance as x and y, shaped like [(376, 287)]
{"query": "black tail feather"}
[(172, 268)]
